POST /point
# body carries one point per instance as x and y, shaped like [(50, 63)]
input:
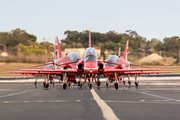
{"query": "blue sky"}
[(50, 18)]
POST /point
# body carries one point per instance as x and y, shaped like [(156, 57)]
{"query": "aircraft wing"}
[(126, 70), (50, 71), (148, 72)]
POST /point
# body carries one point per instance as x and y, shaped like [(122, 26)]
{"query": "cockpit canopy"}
[(113, 59), (90, 54), (73, 57)]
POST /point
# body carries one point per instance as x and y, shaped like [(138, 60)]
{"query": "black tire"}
[(136, 83), (90, 86), (64, 86), (44, 83), (78, 83), (53, 83), (124, 82), (50, 82), (129, 82), (81, 85), (47, 85), (116, 85), (106, 84), (35, 83), (98, 83)]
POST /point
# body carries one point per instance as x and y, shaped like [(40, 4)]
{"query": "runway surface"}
[(23, 100)]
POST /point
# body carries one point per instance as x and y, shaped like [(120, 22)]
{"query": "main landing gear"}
[(116, 85), (116, 82), (35, 83), (91, 82), (90, 86), (129, 82), (79, 82), (124, 82), (136, 81), (64, 86), (98, 81), (47, 85), (65, 81)]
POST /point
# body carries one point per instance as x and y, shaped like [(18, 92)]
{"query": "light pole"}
[(4, 47)]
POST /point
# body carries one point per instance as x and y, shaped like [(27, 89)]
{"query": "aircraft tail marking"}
[(119, 53), (126, 51), (57, 49), (89, 38)]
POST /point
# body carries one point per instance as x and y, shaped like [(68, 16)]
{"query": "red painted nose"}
[(91, 67), (90, 70)]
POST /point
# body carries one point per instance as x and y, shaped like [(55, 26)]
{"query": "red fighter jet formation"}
[(72, 66)]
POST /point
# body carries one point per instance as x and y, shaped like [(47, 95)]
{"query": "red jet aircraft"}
[(91, 67), (65, 62), (115, 62)]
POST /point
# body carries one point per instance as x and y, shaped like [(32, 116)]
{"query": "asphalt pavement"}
[(153, 99)]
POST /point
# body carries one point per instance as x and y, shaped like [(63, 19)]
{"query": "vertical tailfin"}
[(119, 53), (46, 57), (89, 38), (57, 49), (126, 51)]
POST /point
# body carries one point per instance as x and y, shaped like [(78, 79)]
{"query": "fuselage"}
[(114, 62), (90, 61)]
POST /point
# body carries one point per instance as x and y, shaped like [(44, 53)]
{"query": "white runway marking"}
[(107, 112), (12, 94), (159, 96)]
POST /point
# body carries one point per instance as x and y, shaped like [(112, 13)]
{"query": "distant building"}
[(80, 51)]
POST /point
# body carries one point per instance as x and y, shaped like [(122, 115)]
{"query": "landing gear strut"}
[(98, 81), (90, 82), (65, 81), (35, 83), (115, 84), (107, 81), (123, 80), (46, 84), (136, 82)]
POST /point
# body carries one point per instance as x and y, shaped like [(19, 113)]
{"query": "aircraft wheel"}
[(98, 83), (44, 83), (64, 86), (124, 82), (50, 82), (69, 84), (78, 83), (53, 83), (136, 83), (129, 82), (90, 86), (81, 85), (106, 84), (35, 83), (47, 85), (116, 85)]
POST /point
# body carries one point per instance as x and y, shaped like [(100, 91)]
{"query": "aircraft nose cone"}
[(91, 70)]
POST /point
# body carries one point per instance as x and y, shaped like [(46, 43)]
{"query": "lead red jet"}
[(91, 67)]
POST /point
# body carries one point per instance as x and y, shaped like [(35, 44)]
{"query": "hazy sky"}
[(50, 18)]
